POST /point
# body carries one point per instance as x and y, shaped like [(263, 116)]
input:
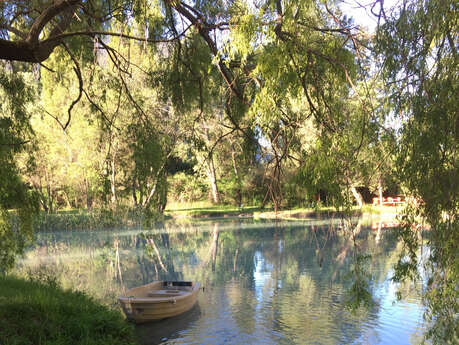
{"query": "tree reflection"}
[(289, 278)]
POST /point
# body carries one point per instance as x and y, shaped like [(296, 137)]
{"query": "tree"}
[(15, 134), (358, 153), (417, 47), (147, 71), (260, 60)]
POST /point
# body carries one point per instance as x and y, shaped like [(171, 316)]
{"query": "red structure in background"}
[(384, 225), (389, 201)]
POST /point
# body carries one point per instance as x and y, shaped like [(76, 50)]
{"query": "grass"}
[(97, 218), (41, 313), (299, 213), (124, 217), (207, 209), (368, 208)]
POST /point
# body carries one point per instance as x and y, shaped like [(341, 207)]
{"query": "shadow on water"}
[(158, 332)]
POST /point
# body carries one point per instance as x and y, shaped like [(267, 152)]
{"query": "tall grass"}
[(101, 218), (41, 313)]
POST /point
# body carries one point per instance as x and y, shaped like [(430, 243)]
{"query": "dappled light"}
[(119, 118)]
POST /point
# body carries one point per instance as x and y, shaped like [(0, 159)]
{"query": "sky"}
[(360, 10)]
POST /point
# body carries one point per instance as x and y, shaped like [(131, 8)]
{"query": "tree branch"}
[(46, 16), (77, 71), (116, 34)]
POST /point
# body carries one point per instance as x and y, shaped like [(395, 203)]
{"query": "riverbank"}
[(207, 210), (128, 218), (201, 210), (97, 218), (40, 312)]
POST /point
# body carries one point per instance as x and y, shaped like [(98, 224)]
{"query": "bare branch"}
[(116, 34), (77, 71)]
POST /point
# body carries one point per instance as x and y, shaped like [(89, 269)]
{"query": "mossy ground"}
[(41, 313)]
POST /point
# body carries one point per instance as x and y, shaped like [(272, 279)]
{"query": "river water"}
[(265, 282)]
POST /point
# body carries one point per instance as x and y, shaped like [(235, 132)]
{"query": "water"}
[(265, 282)]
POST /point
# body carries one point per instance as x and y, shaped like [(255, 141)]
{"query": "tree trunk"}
[(43, 202), (141, 195), (236, 173), (214, 246), (357, 196), (134, 192), (380, 191), (88, 197), (151, 242), (211, 174), (31, 49), (112, 180), (50, 194), (235, 260), (67, 200), (162, 202)]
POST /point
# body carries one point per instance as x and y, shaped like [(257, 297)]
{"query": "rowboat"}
[(159, 300)]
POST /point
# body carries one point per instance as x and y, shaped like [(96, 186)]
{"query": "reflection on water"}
[(157, 332), (265, 282)]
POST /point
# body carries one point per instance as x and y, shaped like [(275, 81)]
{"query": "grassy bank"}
[(206, 209), (39, 313), (326, 212), (101, 218), (128, 218)]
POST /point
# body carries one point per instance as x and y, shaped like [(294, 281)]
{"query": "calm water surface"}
[(265, 282)]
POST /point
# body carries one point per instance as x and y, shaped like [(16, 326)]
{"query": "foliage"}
[(39, 311), (418, 47), (276, 102), (186, 188), (15, 133), (97, 218), (359, 294)]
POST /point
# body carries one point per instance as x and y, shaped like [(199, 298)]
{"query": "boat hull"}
[(155, 301)]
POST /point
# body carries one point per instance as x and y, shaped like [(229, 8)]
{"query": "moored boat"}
[(159, 300)]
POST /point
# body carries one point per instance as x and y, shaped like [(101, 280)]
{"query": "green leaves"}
[(420, 64), (359, 295), (15, 133)]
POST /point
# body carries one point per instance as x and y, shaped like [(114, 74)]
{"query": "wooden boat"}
[(159, 300)]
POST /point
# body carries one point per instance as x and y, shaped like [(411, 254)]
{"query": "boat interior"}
[(171, 289)]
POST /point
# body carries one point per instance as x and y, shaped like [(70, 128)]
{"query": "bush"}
[(186, 188)]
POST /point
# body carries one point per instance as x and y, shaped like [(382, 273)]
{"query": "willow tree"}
[(268, 57), (418, 48), (15, 137)]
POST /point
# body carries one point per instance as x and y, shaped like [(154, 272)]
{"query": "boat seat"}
[(178, 285), (165, 293)]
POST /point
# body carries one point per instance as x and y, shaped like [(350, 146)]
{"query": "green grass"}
[(41, 313), (298, 213), (124, 217), (97, 218), (207, 209), (381, 209)]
